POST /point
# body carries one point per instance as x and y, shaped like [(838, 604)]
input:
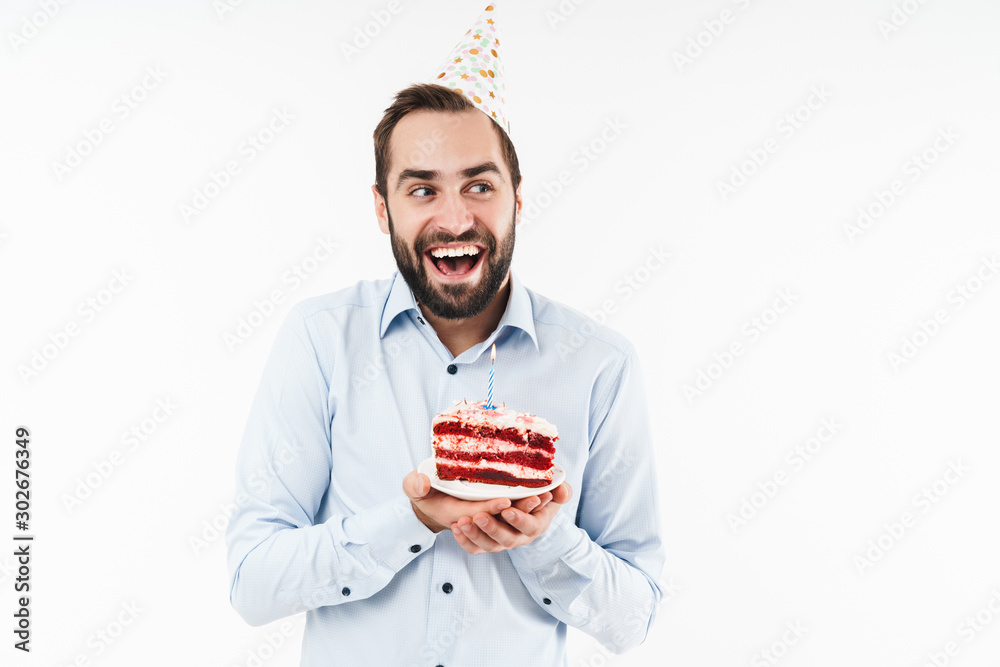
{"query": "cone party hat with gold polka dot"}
[(475, 69)]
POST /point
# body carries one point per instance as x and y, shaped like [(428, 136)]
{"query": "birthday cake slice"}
[(493, 446)]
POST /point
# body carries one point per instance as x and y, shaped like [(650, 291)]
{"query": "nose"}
[(453, 214)]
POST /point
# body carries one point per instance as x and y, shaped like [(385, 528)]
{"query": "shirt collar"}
[(399, 301), (518, 313)]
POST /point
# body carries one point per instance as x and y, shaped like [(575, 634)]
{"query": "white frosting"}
[(475, 414)]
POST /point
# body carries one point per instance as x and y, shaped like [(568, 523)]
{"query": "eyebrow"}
[(433, 174)]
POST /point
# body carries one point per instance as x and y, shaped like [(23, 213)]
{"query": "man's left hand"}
[(485, 533)]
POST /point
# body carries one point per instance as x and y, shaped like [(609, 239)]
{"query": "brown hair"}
[(430, 97)]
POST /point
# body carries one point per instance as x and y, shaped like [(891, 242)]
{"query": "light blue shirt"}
[(344, 412)]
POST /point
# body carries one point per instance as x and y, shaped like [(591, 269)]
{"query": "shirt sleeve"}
[(601, 574), (280, 561)]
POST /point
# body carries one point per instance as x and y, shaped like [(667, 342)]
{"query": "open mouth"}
[(455, 261)]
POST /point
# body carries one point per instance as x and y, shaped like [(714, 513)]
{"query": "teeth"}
[(455, 252)]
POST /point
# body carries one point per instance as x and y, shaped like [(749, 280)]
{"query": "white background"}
[(144, 537)]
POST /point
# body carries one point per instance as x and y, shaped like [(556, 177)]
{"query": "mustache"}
[(469, 236)]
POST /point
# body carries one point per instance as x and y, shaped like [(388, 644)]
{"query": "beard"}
[(454, 301)]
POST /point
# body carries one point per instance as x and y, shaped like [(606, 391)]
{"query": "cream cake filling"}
[(509, 468)]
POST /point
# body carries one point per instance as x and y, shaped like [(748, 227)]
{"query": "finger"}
[(562, 493), (534, 524), (533, 503), (464, 541), (416, 485), (512, 529), (527, 525), (486, 532), (468, 508), (545, 498), (470, 537), (527, 504)]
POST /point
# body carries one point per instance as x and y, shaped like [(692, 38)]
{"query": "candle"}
[(489, 398)]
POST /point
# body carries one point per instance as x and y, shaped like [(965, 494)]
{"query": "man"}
[(332, 517)]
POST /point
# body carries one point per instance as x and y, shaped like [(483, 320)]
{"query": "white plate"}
[(478, 491)]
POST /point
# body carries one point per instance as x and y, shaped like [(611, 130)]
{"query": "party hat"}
[(475, 69)]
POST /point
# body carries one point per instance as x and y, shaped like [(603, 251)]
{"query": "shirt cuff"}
[(562, 537), (392, 531)]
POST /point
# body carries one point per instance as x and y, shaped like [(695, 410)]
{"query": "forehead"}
[(446, 142)]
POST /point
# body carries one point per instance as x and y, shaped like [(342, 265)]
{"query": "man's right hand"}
[(438, 510)]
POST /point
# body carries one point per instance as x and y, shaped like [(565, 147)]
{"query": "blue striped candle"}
[(489, 398)]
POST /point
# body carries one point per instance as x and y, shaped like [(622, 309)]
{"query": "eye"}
[(422, 191), (486, 188)]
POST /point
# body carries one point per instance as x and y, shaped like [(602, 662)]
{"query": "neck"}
[(459, 335)]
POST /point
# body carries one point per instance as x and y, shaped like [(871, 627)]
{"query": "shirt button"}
[(346, 591), (447, 588), (452, 368), (546, 601), (415, 548), (420, 319)]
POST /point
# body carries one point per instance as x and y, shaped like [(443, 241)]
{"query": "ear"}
[(381, 212), (518, 204)]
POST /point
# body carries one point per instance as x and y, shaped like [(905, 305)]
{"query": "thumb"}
[(416, 485), (562, 493)]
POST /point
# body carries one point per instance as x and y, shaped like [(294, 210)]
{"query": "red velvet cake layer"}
[(526, 459), (536, 440), (487, 476)]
